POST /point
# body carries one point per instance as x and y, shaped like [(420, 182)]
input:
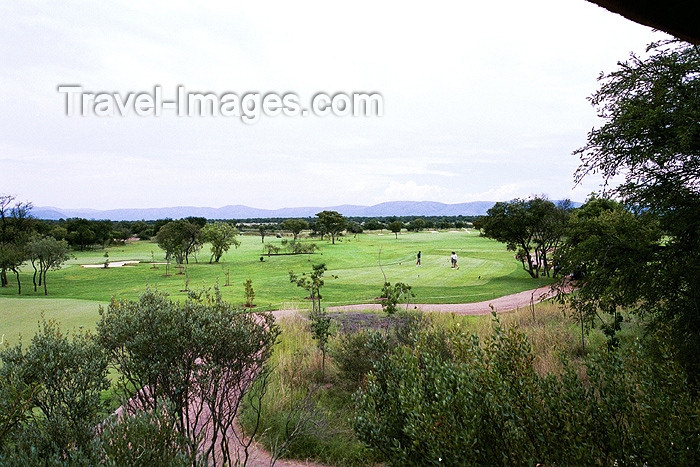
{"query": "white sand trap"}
[(115, 264)]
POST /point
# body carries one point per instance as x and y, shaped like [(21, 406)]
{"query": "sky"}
[(481, 101)]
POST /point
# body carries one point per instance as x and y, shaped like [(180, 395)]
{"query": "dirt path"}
[(500, 304)]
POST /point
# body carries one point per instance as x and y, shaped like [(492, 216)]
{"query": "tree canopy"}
[(532, 228), (221, 236), (332, 222), (179, 239), (650, 137), (295, 226), (395, 227)]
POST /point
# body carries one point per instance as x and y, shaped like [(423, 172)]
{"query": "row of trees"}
[(184, 237), (21, 242)]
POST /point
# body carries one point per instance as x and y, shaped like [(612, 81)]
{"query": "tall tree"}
[(179, 239), (604, 238), (15, 231), (395, 227), (16, 227), (12, 256), (333, 223), (650, 136), (532, 228), (221, 236), (295, 226)]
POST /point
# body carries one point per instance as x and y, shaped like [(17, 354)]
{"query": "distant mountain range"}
[(393, 208)]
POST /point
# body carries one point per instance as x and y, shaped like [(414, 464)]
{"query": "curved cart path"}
[(500, 304)]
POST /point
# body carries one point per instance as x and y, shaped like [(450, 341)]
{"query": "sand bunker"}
[(115, 264)]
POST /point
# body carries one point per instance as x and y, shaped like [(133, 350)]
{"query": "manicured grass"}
[(19, 317), (486, 271)]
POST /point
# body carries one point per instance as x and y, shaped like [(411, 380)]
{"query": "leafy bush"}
[(50, 395), (449, 398), (202, 356), (144, 439), (355, 353)]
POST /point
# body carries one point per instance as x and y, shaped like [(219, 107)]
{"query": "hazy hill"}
[(393, 208)]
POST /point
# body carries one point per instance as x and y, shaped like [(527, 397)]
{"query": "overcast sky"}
[(482, 101)]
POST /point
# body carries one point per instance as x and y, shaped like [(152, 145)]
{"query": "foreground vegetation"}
[(455, 390), (182, 370)]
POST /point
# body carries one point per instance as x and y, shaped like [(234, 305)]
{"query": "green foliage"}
[(179, 239), (354, 354), (312, 283), (321, 326), (221, 236), (295, 226), (650, 136), (332, 223), (249, 293), (50, 254), (603, 239), (320, 322), (532, 228), (147, 439), (416, 225), (300, 418), (50, 394), (450, 399), (392, 295), (373, 224), (395, 227), (201, 356), (272, 249), (355, 227)]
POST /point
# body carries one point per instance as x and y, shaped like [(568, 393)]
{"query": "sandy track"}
[(500, 304)]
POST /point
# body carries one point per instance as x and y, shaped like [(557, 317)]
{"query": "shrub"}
[(354, 355), (451, 399)]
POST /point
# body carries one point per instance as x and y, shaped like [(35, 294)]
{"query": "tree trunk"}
[(46, 292), (19, 285), (34, 276), (3, 277)]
